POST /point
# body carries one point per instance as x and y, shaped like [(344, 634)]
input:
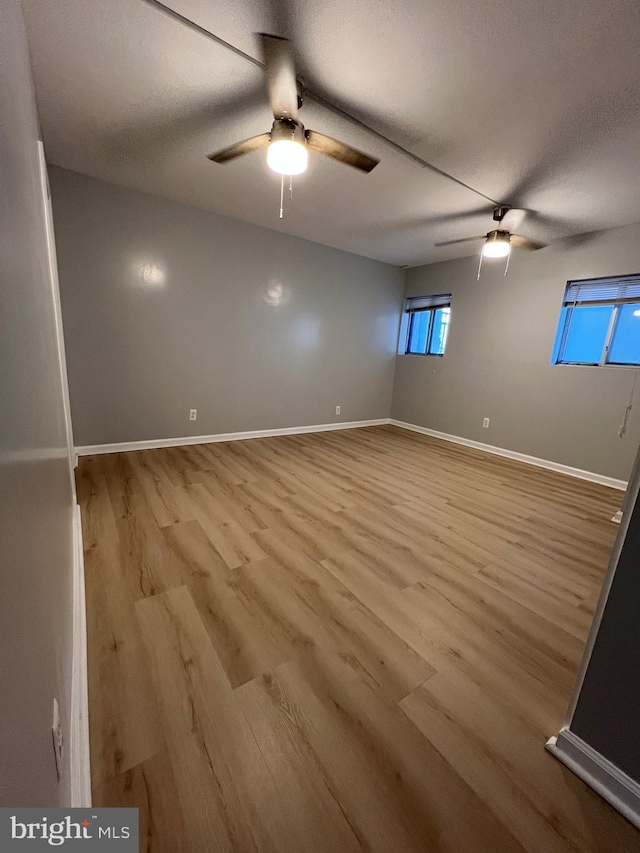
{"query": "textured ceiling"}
[(531, 102)]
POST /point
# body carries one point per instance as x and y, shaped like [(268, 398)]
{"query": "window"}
[(600, 323), (425, 325)]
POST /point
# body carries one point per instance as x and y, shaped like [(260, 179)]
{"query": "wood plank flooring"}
[(339, 642)]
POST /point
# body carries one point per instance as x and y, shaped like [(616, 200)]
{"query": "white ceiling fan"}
[(288, 142), (498, 242)]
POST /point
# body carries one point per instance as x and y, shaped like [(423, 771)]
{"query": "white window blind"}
[(604, 290), (426, 303)]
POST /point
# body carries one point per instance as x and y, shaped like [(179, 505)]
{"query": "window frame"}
[(616, 305), (409, 315)]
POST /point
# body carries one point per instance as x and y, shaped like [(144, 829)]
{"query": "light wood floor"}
[(348, 641)]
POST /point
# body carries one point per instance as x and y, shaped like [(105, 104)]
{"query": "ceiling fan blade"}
[(339, 151), (513, 219), (519, 242), (462, 240), (277, 55), (240, 148)]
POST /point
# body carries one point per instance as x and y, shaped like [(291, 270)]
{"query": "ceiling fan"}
[(288, 142), (499, 242)]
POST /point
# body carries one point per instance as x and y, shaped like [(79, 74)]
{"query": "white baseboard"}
[(618, 789), (519, 457), (126, 446), (79, 759)]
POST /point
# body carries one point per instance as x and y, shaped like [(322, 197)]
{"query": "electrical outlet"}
[(485, 423), (58, 739), (337, 410), (193, 414)]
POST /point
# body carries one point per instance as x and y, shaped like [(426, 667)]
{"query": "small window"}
[(425, 325), (600, 323)]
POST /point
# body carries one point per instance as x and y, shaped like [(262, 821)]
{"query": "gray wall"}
[(608, 708), (497, 362), (168, 308), (36, 497)]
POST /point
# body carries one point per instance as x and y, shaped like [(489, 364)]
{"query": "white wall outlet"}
[(485, 423), (193, 414), (58, 739), (337, 410)]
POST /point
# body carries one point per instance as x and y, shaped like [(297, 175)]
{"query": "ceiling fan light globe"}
[(495, 250), (287, 157), (497, 245)]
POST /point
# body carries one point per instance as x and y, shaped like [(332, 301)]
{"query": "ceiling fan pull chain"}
[(291, 187), (506, 269), (281, 194), (479, 266)]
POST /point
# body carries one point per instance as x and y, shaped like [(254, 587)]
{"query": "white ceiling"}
[(532, 102)]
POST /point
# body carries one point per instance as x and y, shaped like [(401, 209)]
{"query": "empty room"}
[(319, 451)]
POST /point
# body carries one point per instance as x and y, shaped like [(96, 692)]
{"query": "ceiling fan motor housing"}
[(498, 237), (285, 128)]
